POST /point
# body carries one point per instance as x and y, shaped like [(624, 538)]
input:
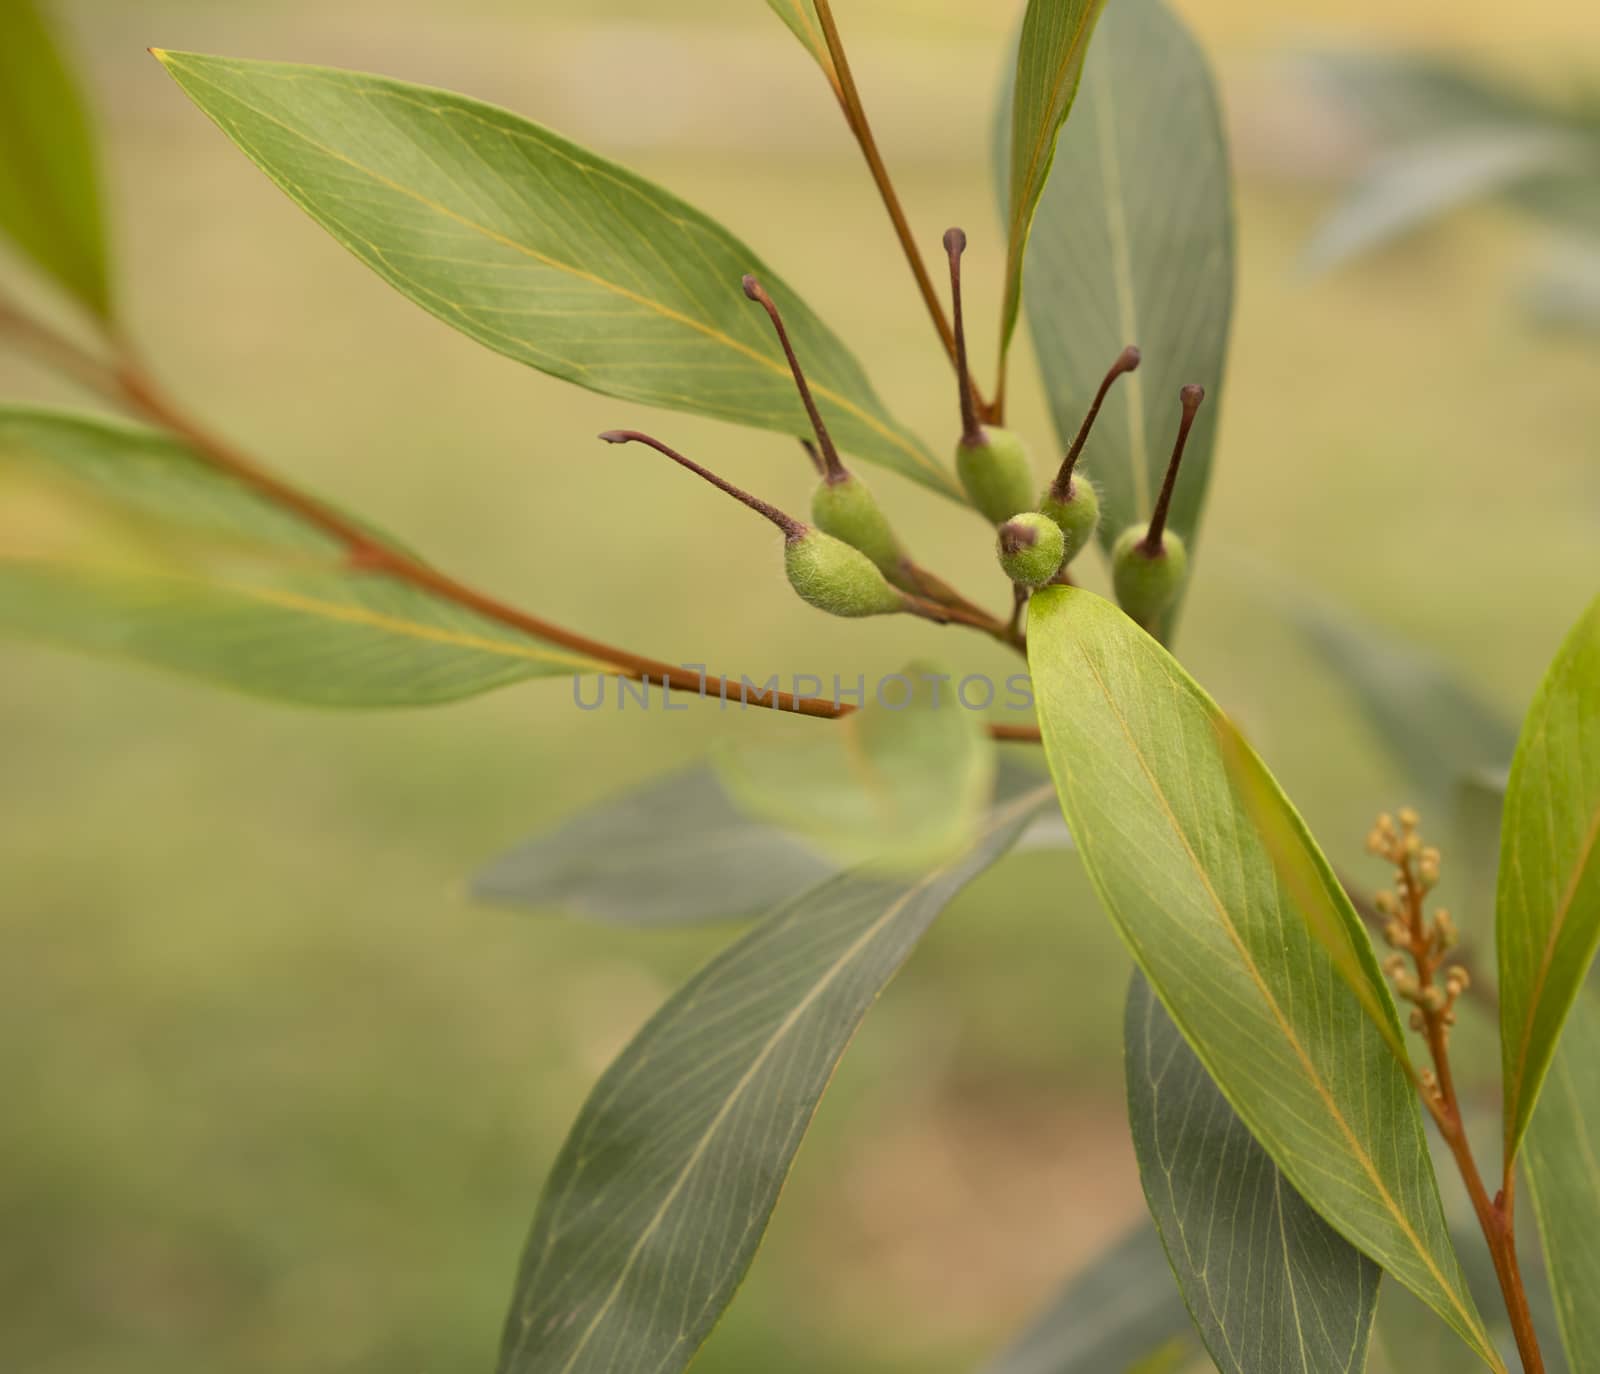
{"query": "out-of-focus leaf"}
[(120, 541), (541, 250), (1474, 859), (1454, 135), (1121, 1310), (901, 782), (1185, 875), (1547, 917), (1565, 292), (1055, 41), (673, 852), (49, 191), (677, 851), (1133, 244), (659, 1198), (801, 17), (1270, 1284), (1413, 186), (1432, 722), (1561, 1159)]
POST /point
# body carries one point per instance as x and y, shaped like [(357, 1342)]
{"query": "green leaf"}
[(1561, 1160), (801, 17), (673, 852), (1050, 58), (1270, 1285), (1428, 717), (120, 541), (1122, 1309), (1133, 243), (49, 192), (542, 251), (1184, 872), (1413, 186), (900, 783), (658, 1200), (1547, 916)]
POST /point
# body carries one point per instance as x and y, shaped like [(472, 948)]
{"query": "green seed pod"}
[(1146, 581), (844, 507), (995, 473), (830, 575), (1031, 547), (1077, 515)]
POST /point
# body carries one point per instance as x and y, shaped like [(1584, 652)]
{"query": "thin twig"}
[(856, 117), (1427, 944), (128, 384)]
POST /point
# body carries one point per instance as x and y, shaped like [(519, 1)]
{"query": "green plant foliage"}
[(643, 859), (1448, 137), (1561, 1159), (1270, 1284), (49, 189), (801, 17), (1547, 916), (1121, 1311), (121, 541), (1056, 37), (658, 1200), (1133, 244), (542, 251), (903, 782), (1435, 725), (1140, 768), (1415, 185)]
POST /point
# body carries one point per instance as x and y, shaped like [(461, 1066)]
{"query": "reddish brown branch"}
[(126, 383)]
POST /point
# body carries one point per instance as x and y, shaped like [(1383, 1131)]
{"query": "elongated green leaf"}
[(542, 251), (1270, 1284), (1547, 915), (1561, 1160), (658, 1200), (673, 852), (120, 541), (901, 783), (1428, 716), (1412, 187), (1122, 1309), (1134, 746), (1050, 58), (1133, 243), (49, 191), (801, 17)]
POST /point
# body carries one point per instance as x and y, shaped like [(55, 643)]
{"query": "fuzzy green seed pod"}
[(1031, 546), (1077, 515), (1147, 582), (830, 575), (844, 507), (996, 473)]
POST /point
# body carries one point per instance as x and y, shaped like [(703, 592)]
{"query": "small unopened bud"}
[(1444, 928), (1386, 902), (1408, 818), (1405, 985), (1418, 1021), (1413, 844), (1457, 979), (1433, 999), (1396, 936), (1386, 824), (1395, 965)]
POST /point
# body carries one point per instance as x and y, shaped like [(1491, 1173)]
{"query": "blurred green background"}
[(276, 1095)]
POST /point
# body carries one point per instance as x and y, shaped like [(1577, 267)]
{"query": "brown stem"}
[(128, 385), (1127, 361), (856, 117), (1494, 1215)]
